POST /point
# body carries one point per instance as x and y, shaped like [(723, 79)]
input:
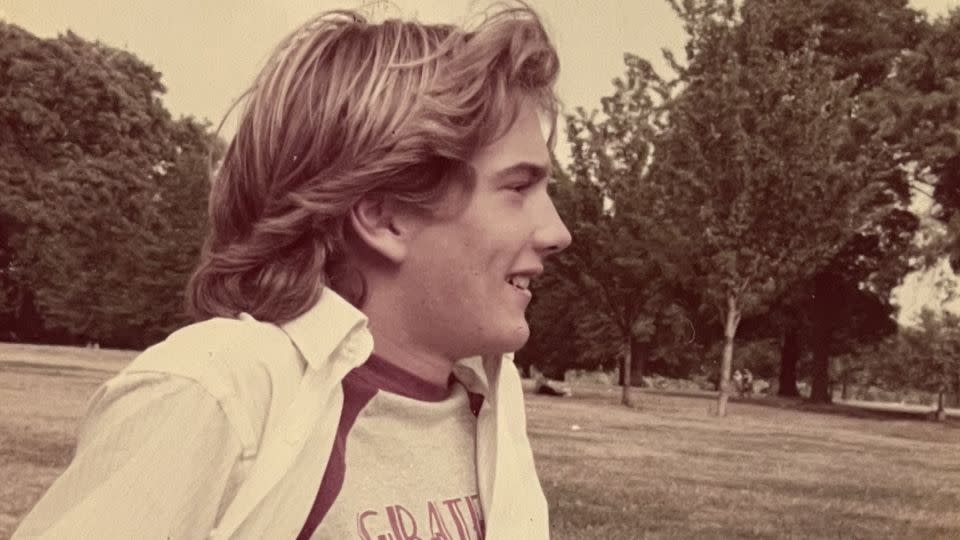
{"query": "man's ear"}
[(380, 224)]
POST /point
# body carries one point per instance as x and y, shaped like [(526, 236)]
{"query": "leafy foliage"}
[(925, 357), (760, 161), (858, 41), (101, 190), (921, 113), (755, 171)]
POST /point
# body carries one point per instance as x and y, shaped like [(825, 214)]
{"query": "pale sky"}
[(209, 51)]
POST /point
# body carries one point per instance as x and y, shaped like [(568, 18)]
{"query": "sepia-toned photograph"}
[(479, 269)]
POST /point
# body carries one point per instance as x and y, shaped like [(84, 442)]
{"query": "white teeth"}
[(520, 282)]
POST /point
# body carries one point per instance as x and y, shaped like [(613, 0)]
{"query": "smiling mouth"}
[(520, 282)]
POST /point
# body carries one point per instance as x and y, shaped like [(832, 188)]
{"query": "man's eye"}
[(520, 188)]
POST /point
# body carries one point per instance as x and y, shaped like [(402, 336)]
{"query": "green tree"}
[(618, 257), (921, 110), (925, 357), (863, 39), (162, 253), (757, 163), (86, 150), (568, 331)]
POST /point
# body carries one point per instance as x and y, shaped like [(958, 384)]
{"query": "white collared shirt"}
[(223, 431)]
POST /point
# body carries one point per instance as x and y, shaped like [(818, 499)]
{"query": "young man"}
[(374, 228)]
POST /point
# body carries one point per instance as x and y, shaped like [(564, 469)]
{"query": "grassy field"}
[(771, 469)]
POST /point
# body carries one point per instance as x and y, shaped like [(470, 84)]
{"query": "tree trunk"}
[(638, 359), (820, 387), (632, 368), (844, 386), (726, 363), (956, 389), (625, 369), (941, 413), (789, 357)]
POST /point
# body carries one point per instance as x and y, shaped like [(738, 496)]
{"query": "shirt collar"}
[(333, 320), (325, 326)]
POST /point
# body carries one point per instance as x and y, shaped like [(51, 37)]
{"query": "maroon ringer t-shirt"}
[(403, 464)]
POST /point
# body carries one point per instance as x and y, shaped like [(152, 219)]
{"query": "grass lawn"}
[(669, 470), (771, 469)]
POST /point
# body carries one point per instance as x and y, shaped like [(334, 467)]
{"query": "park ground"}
[(667, 469)]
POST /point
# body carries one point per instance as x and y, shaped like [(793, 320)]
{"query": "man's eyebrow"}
[(533, 170)]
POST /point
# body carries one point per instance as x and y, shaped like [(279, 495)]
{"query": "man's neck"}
[(427, 365)]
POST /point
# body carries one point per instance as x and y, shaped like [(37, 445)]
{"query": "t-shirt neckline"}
[(392, 378)]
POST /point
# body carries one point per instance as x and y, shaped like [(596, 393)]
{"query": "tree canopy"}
[(99, 188), (763, 181)]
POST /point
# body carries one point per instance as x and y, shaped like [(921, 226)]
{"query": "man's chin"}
[(505, 345), (518, 337)]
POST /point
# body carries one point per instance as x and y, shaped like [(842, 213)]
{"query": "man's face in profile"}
[(471, 273)]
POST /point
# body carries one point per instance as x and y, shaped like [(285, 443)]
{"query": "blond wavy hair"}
[(346, 109)]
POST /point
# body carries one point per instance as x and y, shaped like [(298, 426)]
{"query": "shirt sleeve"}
[(155, 456)]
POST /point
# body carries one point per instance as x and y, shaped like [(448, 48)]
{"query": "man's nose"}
[(552, 236)]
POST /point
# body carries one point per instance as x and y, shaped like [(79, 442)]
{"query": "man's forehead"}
[(524, 142)]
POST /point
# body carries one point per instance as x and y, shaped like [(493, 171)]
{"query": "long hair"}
[(346, 109)]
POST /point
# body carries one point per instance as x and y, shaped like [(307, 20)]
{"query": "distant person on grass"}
[(374, 228)]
